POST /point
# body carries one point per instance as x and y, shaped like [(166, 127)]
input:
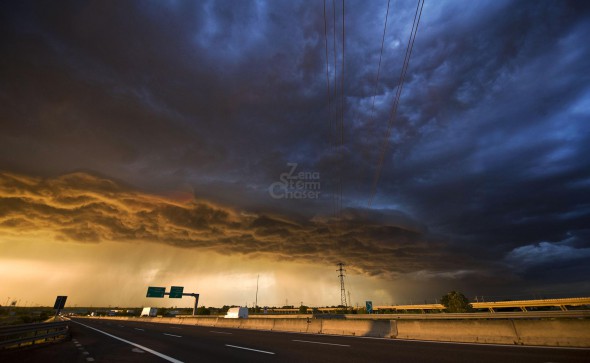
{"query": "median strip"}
[(308, 341), (254, 350)]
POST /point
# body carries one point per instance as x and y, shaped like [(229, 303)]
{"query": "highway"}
[(126, 341)]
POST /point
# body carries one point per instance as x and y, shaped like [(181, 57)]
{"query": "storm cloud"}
[(109, 108), (87, 209)]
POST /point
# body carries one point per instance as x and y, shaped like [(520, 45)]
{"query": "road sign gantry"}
[(176, 292)]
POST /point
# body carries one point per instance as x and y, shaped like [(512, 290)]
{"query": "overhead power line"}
[(379, 66), (328, 75), (336, 102), (342, 83), (336, 187), (343, 106), (410, 46), (332, 115)]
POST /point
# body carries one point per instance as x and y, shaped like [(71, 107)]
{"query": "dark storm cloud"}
[(489, 146), (88, 209)]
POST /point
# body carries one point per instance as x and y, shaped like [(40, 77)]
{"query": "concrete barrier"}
[(169, 321), (561, 333), (366, 328), (393, 328), (184, 321), (315, 326), (292, 325), (202, 321), (258, 324), (229, 323), (470, 331)]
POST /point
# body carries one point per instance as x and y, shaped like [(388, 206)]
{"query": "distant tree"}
[(456, 302), (201, 310), (303, 309), (163, 311)]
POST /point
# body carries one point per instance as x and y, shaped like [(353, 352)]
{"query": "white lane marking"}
[(441, 342), (254, 350), (139, 329), (121, 326), (90, 359), (137, 350), (220, 332), (309, 341), (172, 335), (163, 356), (85, 353)]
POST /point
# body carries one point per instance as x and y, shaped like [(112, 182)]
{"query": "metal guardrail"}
[(561, 303), (491, 305), (16, 336)]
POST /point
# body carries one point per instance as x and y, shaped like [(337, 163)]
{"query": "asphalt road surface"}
[(125, 341)]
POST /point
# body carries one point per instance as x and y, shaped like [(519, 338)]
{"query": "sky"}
[(211, 144)]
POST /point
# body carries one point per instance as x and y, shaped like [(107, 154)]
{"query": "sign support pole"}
[(196, 296), (175, 292), (60, 303)]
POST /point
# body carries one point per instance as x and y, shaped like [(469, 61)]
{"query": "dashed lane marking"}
[(253, 350), (309, 341), (172, 335)]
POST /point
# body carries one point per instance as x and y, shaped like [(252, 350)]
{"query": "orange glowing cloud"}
[(84, 208)]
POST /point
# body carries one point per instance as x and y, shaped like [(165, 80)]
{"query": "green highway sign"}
[(155, 291), (176, 292), (369, 307)]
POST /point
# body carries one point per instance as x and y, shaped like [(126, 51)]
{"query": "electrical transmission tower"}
[(341, 271)]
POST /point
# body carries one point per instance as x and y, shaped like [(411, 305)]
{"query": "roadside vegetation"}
[(10, 315)]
